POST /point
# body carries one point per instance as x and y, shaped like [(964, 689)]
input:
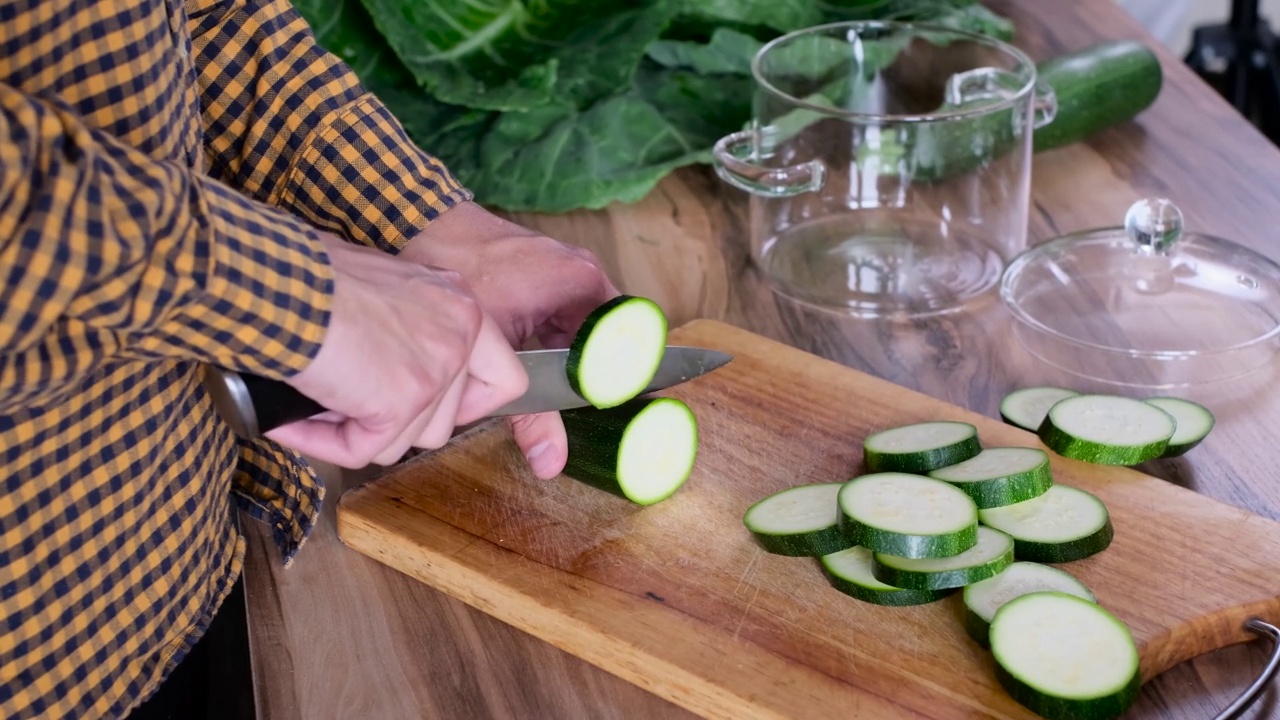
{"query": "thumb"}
[(542, 440)]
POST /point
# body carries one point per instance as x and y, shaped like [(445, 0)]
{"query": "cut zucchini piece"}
[(1062, 525), (799, 521), (1000, 476), (992, 553), (1064, 657), (849, 571), (1107, 429), (910, 516), (1026, 408), (982, 599), (617, 351), (1194, 421), (920, 447), (642, 450)]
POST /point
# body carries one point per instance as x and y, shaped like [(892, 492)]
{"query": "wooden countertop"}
[(340, 635)]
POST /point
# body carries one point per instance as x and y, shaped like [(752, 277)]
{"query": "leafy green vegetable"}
[(728, 51)]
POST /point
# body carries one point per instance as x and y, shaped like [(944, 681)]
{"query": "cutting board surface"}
[(679, 599)]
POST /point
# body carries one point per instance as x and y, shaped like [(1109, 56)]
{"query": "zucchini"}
[(920, 447), (1064, 657), (910, 516), (849, 571), (1107, 429), (642, 450), (1000, 476), (1026, 407), (983, 598), (617, 350), (1097, 87), (1062, 525), (799, 521), (992, 553), (1192, 420)]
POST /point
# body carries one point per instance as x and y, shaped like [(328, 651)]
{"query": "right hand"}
[(408, 355)]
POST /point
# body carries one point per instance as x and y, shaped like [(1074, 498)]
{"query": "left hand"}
[(531, 285)]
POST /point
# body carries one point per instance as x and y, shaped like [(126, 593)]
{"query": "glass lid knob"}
[(1153, 225)]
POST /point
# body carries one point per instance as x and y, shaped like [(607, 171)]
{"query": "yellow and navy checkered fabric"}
[(162, 170)]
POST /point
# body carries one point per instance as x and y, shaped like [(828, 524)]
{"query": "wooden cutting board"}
[(678, 599)]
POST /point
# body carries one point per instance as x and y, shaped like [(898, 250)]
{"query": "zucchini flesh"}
[(910, 516), (983, 598), (642, 450), (1193, 423), (1064, 657), (617, 350), (1062, 525), (1000, 476), (1027, 407), (849, 571), (992, 553), (920, 447), (798, 521), (1107, 429)]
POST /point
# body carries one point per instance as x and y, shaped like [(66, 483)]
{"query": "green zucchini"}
[(920, 447), (1062, 525), (910, 516), (849, 571), (617, 350), (1107, 429), (799, 521), (992, 553), (1064, 657), (1193, 423), (1000, 476), (1026, 407), (642, 450), (983, 598)]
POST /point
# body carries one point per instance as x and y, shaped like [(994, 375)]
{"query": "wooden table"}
[(339, 635)]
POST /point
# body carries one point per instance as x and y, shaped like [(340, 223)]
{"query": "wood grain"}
[(340, 635)]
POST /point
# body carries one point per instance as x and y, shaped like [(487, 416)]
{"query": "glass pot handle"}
[(730, 159), (1045, 105)]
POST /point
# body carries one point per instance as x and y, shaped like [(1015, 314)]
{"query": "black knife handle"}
[(254, 405)]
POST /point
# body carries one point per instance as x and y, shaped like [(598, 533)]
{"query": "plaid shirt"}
[(161, 172)]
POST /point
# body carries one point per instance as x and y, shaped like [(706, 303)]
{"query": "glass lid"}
[(1146, 304)]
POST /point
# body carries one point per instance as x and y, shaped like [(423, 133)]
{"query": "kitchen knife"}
[(254, 405)]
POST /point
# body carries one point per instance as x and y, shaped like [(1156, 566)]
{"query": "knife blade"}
[(254, 405)]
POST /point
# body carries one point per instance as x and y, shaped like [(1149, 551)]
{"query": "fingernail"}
[(538, 457)]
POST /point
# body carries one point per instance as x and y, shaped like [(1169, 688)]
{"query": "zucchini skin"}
[(812, 544), (573, 360), (1068, 551), (1008, 490), (595, 436), (900, 597), (1075, 448), (921, 463), (943, 579), (907, 546), (977, 628), (1054, 708)]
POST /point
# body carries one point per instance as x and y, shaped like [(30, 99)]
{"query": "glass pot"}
[(888, 164)]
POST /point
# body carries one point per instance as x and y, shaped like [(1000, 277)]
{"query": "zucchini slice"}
[(617, 351), (1026, 408), (1064, 657), (992, 553), (910, 516), (1107, 429), (920, 447), (1000, 476), (849, 571), (1194, 421), (983, 598), (799, 521), (1062, 525), (642, 450)]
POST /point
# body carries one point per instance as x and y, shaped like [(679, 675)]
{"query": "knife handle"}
[(254, 405)]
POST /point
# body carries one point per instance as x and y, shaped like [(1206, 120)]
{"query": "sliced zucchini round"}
[(983, 598), (1062, 525), (1000, 476), (920, 447), (849, 571), (617, 351), (910, 516), (1193, 420), (1064, 657), (1026, 407), (799, 521), (642, 450), (992, 553), (1107, 429)]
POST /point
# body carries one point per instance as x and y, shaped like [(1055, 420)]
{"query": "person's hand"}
[(408, 355), (533, 286)]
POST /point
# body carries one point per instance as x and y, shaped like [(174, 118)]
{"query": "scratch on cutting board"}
[(748, 571), (746, 611)]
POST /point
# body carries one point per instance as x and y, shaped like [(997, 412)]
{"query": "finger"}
[(444, 418), (346, 444), (542, 440), (496, 373), (412, 432)]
